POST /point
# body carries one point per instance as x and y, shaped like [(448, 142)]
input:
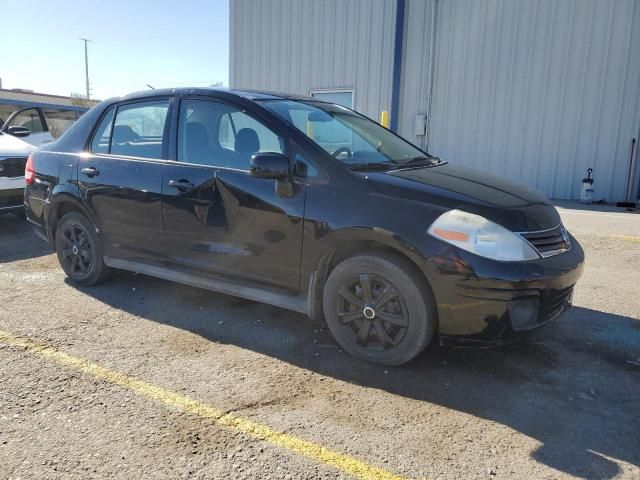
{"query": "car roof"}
[(255, 95)]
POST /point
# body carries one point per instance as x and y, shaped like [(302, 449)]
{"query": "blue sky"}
[(163, 43)]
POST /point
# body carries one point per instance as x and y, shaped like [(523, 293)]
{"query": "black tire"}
[(21, 214), (79, 250), (402, 319)]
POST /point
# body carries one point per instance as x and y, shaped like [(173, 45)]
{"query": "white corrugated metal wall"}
[(297, 45), (536, 90)]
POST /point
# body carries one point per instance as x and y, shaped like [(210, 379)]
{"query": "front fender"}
[(321, 245), (335, 239)]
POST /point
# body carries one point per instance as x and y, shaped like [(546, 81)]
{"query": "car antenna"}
[(150, 86)]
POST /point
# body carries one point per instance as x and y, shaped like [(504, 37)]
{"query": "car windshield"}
[(348, 136)]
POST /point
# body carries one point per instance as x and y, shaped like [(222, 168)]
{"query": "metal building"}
[(535, 90), (18, 99)]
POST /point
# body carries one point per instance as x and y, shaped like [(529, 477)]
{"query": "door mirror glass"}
[(269, 165), (18, 131)]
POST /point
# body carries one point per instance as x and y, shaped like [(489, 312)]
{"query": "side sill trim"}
[(290, 302)]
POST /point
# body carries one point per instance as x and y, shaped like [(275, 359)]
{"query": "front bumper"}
[(486, 301)]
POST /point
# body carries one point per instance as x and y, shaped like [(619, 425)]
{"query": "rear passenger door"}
[(121, 179), (217, 218)]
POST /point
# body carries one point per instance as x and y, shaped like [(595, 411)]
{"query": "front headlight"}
[(478, 235)]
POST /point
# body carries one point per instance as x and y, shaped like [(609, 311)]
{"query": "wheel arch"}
[(61, 204), (342, 248)]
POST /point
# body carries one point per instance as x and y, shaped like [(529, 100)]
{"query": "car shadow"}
[(570, 386), (18, 241)]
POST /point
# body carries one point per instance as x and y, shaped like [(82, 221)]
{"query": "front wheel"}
[(79, 250), (379, 308)]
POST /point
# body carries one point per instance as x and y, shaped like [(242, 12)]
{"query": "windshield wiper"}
[(422, 160), (371, 166)]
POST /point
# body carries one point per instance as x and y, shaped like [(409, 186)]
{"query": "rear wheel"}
[(379, 308), (79, 250)]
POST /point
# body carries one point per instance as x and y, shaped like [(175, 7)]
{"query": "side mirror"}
[(269, 165), (18, 131)]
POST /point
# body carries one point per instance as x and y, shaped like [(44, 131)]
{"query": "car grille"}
[(12, 166), (549, 242), (554, 302)]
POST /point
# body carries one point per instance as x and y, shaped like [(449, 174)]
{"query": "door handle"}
[(182, 185), (90, 171)]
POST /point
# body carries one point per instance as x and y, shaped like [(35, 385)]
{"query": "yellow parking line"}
[(627, 238), (345, 463)]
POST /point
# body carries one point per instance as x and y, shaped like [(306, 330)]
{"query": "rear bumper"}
[(486, 301), (36, 221)]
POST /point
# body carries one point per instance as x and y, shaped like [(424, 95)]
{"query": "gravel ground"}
[(565, 404)]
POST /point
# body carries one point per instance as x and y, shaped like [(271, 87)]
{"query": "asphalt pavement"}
[(141, 377)]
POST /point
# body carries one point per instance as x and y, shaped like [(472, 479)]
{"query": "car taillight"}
[(29, 172)]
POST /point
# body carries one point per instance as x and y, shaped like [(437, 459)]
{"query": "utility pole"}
[(86, 64)]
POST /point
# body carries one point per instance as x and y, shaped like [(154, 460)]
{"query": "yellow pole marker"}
[(305, 448), (384, 118)]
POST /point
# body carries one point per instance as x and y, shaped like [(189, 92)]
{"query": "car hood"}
[(11, 146), (510, 204)]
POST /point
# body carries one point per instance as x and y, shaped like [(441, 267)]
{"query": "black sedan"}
[(305, 205)]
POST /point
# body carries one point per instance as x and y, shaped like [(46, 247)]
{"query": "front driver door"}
[(217, 218)]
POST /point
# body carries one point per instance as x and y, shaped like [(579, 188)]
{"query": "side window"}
[(30, 119), (100, 141), (217, 134), (248, 129), (139, 128)]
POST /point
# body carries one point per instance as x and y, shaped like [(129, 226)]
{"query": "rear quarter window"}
[(102, 135)]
